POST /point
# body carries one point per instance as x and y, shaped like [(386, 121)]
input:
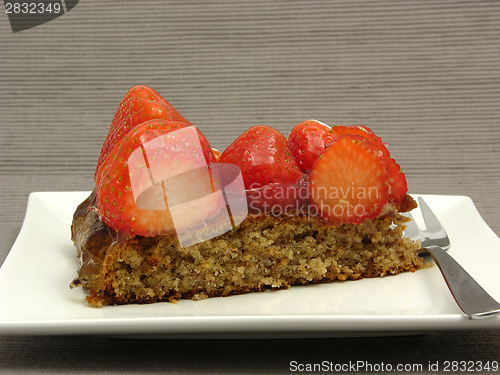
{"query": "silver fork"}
[(472, 299)]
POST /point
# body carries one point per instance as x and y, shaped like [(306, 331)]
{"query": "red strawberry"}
[(349, 181), (269, 171), (397, 182), (140, 104), (132, 184), (307, 141)]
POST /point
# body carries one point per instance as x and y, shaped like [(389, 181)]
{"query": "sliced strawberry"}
[(140, 104), (269, 171), (133, 191), (397, 182), (349, 181), (307, 141)]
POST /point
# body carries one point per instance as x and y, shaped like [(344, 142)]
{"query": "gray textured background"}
[(424, 75)]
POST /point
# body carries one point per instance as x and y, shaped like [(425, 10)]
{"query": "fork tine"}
[(434, 232), (431, 221)]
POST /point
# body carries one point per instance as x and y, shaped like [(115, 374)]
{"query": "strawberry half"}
[(140, 104), (307, 141), (271, 177), (349, 181), (133, 192)]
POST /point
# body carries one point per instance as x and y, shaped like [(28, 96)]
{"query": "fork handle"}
[(472, 299)]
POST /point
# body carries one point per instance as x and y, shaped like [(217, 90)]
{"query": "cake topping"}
[(345, 172)]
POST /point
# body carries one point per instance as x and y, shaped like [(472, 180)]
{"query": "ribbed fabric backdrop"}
[(424, 75)]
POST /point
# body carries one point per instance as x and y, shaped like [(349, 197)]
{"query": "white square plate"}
[(35, 298)]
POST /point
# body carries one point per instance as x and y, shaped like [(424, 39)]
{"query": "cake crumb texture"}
[(263, 252)]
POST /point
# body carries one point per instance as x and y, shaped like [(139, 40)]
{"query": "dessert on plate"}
[(170, 217)]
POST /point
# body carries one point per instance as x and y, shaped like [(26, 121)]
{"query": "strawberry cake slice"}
[(166, 219)]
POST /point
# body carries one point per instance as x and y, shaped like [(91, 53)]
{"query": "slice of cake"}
[(163, 222)]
